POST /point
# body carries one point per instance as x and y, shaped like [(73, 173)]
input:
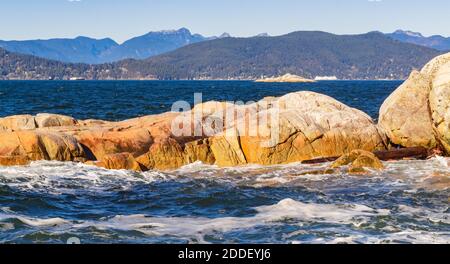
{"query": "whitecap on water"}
[(435, 215), (197, 228), (7, 214), (70, 178)]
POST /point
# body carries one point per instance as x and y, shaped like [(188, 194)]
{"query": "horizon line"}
[(233, 36)]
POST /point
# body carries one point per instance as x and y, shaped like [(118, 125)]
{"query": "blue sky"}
[(122, 19)]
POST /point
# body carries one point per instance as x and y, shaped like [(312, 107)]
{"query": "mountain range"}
[(93, 51), (436, 42), (98, 51), (306, 53)]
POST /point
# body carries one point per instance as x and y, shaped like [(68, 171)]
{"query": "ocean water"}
[(53, 202), (119, 100)]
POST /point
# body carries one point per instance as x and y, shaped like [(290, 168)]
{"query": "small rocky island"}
[(310, 126), (287, 78)]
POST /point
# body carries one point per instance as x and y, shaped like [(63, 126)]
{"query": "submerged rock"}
[(358, 161)]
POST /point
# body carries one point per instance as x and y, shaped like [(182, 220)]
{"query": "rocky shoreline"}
[(308, 126), (287, 78)]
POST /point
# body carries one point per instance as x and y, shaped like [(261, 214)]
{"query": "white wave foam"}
[(35, 222), (42, 222), (445, 162), (328, 212), (44, 174), (403, 237), (69, 178), (196, 228), (434, 216)]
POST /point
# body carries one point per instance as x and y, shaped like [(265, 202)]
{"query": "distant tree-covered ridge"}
[(308, 54)]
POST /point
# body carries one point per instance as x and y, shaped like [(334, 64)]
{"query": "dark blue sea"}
[(53, 202), (119, 100)]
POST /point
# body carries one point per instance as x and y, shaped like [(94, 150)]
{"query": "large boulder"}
[(439, 70), (296, 127), (418, 112), (405, 115)]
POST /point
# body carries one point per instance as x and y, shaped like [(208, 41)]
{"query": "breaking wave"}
[(52, 202)]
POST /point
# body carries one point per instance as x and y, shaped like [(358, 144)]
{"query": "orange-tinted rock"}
[(307, 125), (358, 161), (199, 151), (14, 160), (18, 122), (53, 120), (28, 122), (164, 155), (17, 147), (104, 142), (121, 161)]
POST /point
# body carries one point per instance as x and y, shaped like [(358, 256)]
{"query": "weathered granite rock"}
[(296, 127), (101, 141), (52, 120), (417, 114), (439, 69), (121, 161), (199, 151), (17, 122), (310, 125), (358, 161), (14, 160), (164, 155), (405, 115), (21, 147), (29, 122)]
